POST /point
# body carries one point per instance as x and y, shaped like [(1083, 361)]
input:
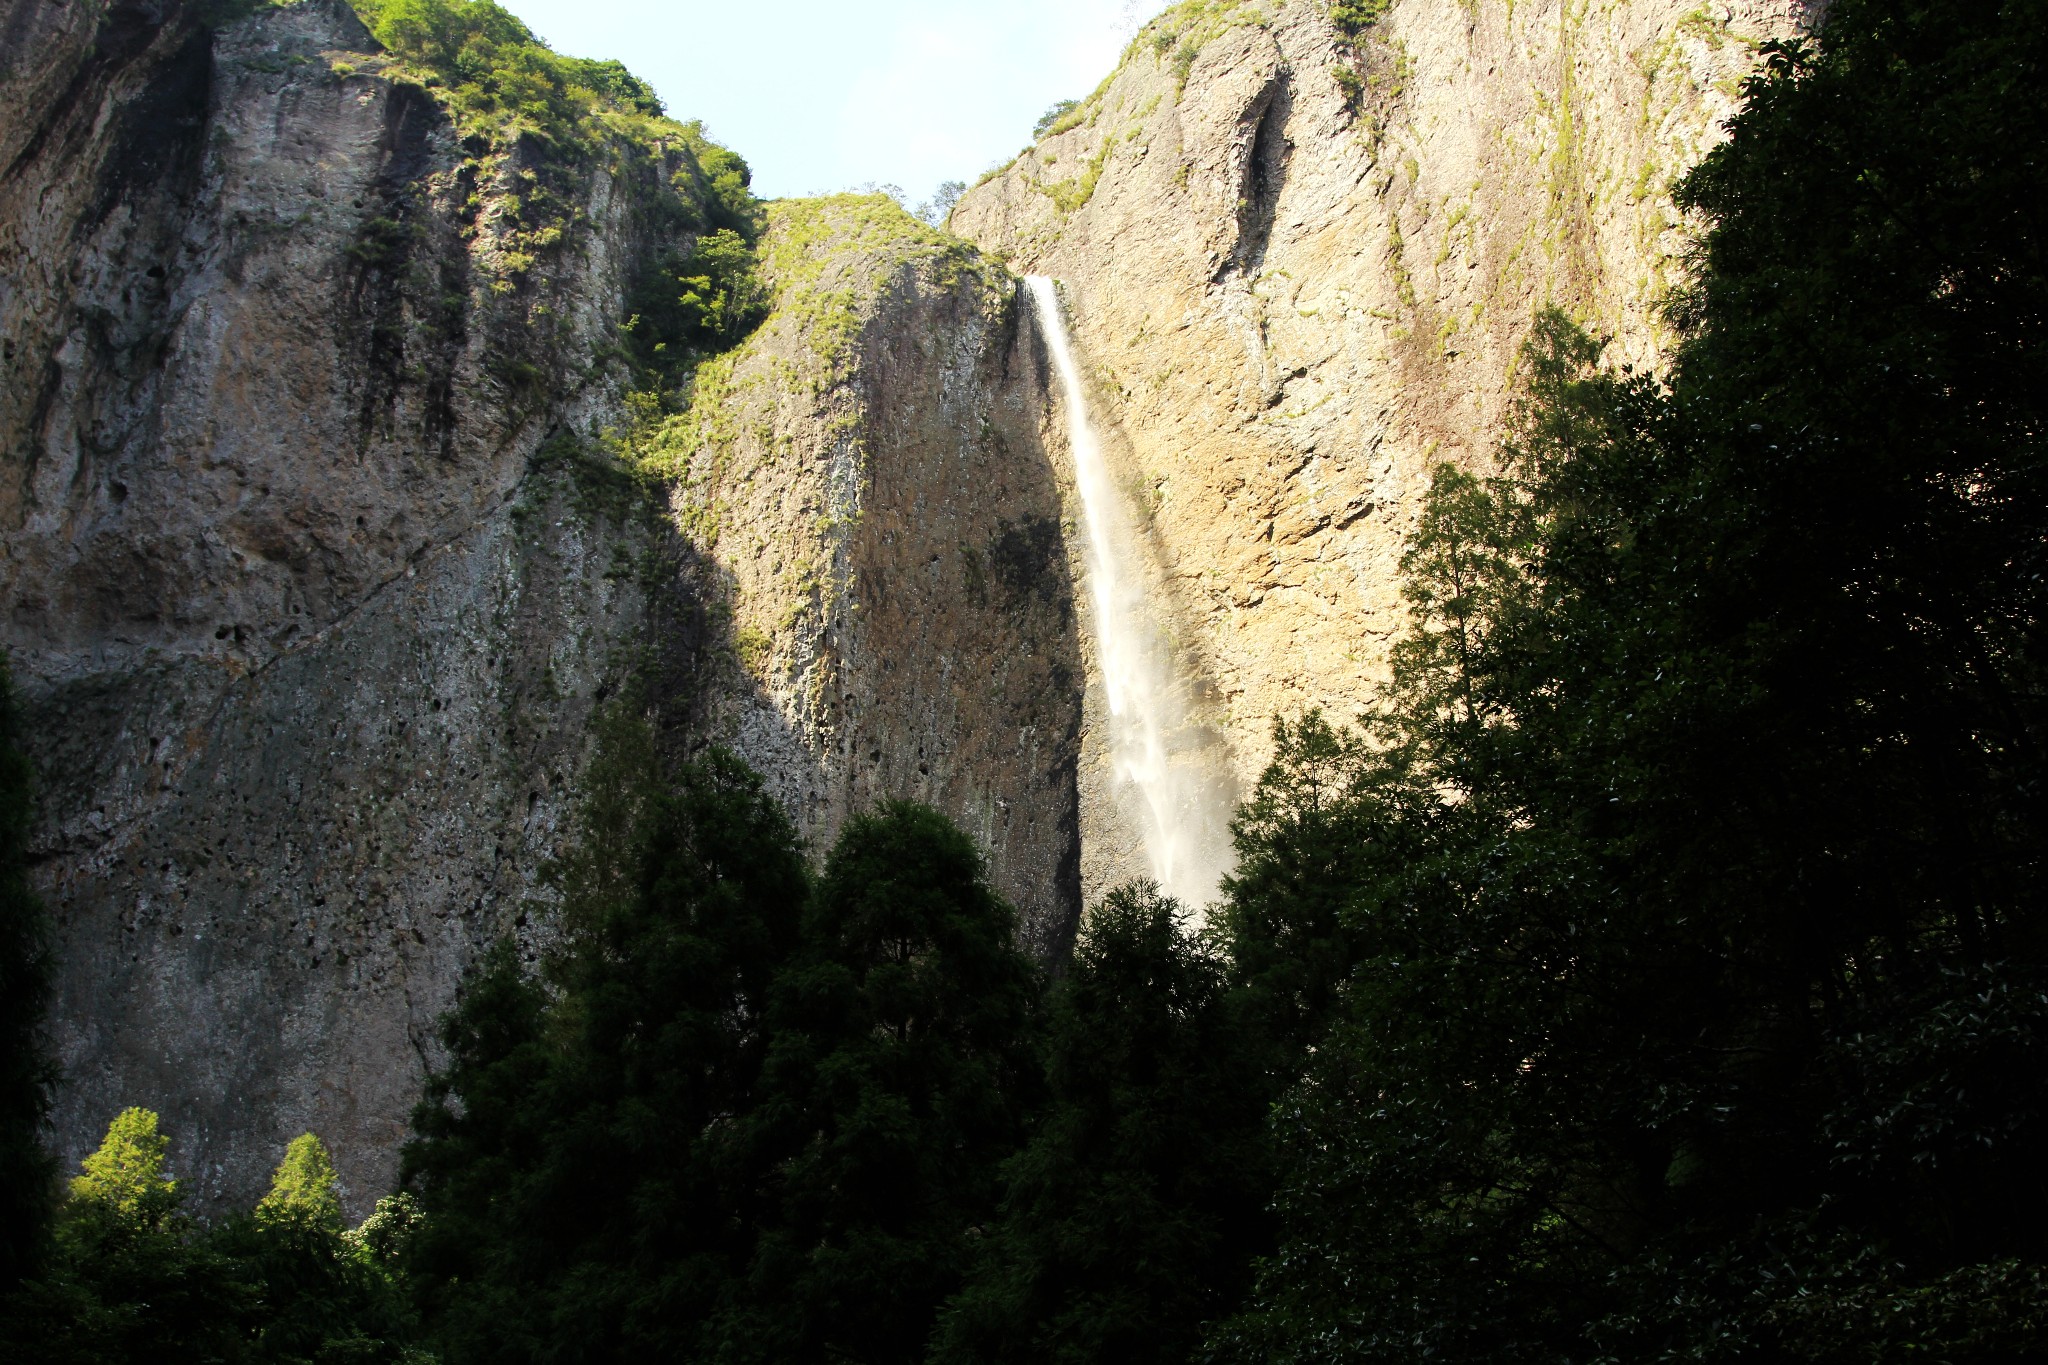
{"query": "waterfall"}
[(1166, 763)]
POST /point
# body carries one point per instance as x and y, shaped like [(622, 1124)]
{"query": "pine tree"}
[(583, 1164), (1690, 883), (1131, 1219), (900, 1076)]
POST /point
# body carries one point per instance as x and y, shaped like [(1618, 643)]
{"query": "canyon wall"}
[(319, 556), (330, 518), (1299, 265)]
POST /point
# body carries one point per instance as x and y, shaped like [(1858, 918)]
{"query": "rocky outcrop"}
[(1300, 265), (309, 631), (870, 474), (317, 559)]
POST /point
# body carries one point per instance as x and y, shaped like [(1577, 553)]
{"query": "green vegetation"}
[(706, 302), (498, 80), (26, 1172), (512, 97), (1128, 1217), (1068, 196), (1352, 18), (747, 1117), (1682, 904), (131, 1276), (1061, 116), (1179, 35)]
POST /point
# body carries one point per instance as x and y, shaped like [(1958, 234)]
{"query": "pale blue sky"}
[(823, 95)]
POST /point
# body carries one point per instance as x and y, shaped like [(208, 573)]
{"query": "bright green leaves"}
[(705, 303), (496, 76), (124, 1181), (133, 1276), (303, 1190)]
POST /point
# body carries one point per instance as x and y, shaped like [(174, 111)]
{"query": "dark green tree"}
[(582, 1163), (900, 1078), (1683, 908), (27, 1171), (322, 1292), (1131, 1219)]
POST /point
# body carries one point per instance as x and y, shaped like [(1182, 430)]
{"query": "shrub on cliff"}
[(495, 75)]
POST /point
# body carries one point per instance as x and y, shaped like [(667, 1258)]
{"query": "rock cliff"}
[(870, 475), (1300, 262), (330, 519), (318, 559)]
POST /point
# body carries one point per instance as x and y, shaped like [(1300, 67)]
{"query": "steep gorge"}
[(320, 555)]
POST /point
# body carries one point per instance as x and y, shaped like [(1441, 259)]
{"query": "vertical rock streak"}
[(1182, 814)]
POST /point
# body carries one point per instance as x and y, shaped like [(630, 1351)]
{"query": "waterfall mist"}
[(1170, 771)]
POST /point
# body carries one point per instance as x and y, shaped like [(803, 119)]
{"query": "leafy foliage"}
[(1353, 17), (1129, 1219), (1682, 905), (496, 77), (508, 92), (744, 1119), (579, 1166), (133, 1277), (705, 303), (898, 1081), (1055, 118)]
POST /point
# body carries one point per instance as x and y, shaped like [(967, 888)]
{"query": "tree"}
[(324, 1292), (582, 1161), (1678, 912), (1130, 1220), (303, 1188), (129, 1276), (900, 1077)]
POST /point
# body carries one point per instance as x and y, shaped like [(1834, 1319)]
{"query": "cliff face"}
[(315, 564), (309, 638), (870, 476), (322, 543), (1300, 265)]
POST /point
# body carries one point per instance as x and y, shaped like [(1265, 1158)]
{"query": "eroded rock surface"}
[(316, 564), (1300, 267), (870, 474)]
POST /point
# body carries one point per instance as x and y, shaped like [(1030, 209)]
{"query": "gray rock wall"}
[(315, 568)]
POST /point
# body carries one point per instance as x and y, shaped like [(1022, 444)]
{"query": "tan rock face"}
[(1300, 268), (314, 568), (870, 476)]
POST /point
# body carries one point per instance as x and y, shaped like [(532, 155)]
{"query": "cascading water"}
[(1182, 799)]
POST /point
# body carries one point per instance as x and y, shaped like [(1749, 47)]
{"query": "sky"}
[(825, 95)]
